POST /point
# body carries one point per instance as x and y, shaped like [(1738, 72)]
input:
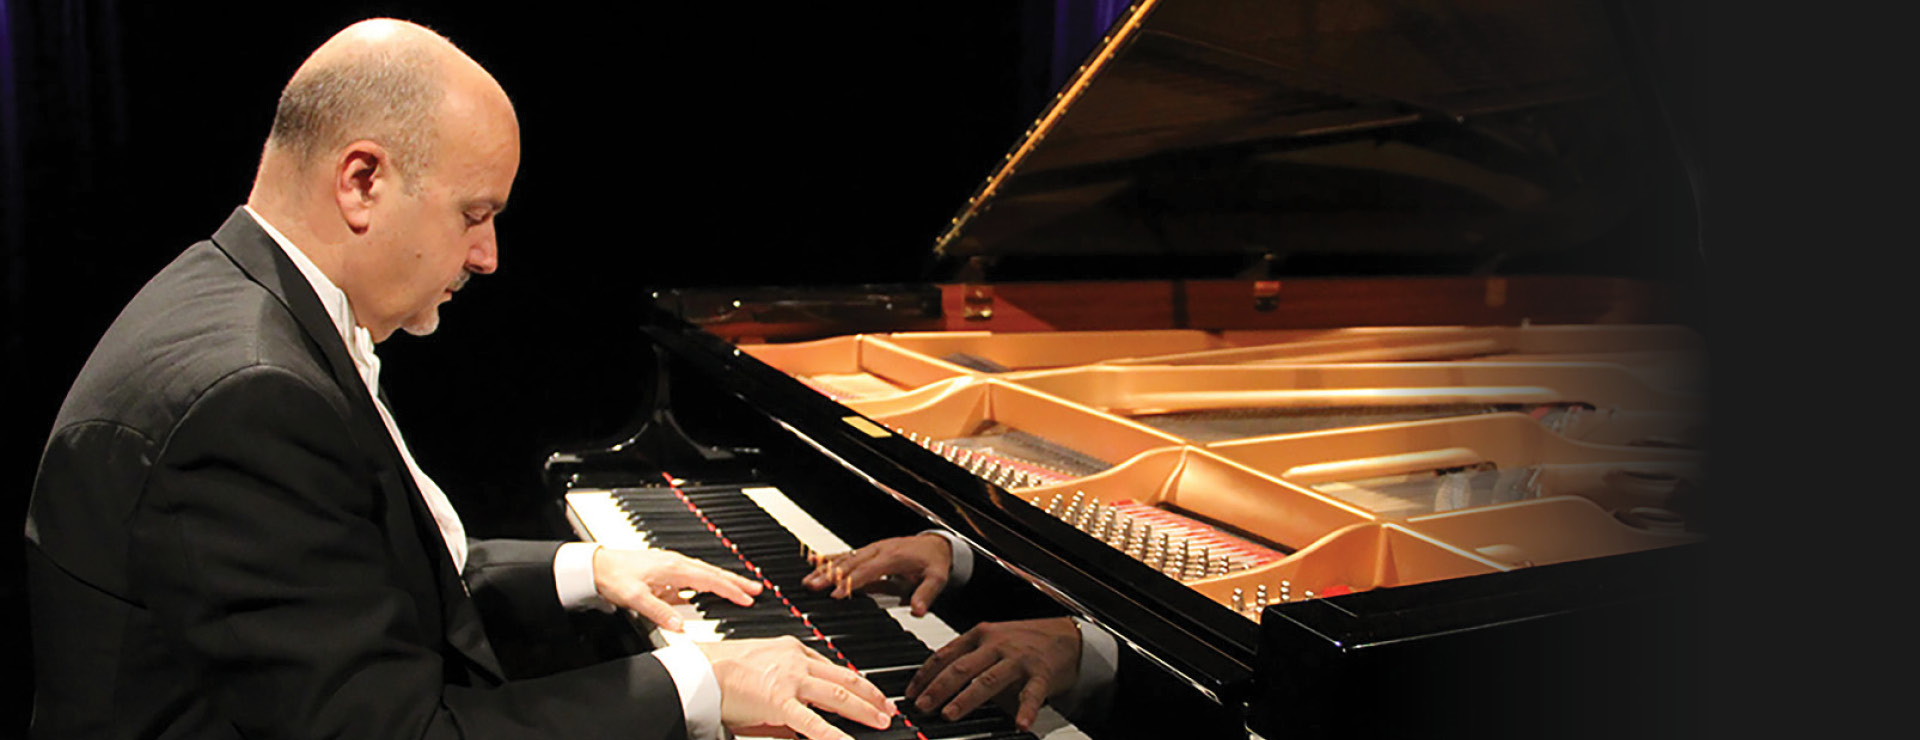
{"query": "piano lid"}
[(1389, 136)]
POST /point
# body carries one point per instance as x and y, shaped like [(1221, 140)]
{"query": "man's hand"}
[(1036, 657), (916, 565), (770, 683), (649, 582)]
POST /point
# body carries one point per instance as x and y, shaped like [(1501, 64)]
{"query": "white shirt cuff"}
[(961, 566), (573, 577), (699, 690), (1099, 660)]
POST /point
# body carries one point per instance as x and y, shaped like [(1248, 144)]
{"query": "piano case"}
[(1343, 360)]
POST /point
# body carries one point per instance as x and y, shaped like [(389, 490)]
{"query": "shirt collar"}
[(358, 340)]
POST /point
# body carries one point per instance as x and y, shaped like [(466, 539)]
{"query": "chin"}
[(422, 325)]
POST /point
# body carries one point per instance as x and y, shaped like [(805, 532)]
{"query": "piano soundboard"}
[(760, 533)]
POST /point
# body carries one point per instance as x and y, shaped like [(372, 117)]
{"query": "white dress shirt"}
[(572, 565)]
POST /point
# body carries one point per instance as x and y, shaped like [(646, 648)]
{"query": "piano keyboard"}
[(758, 532)]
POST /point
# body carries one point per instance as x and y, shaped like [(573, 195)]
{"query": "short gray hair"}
[(387, 95)]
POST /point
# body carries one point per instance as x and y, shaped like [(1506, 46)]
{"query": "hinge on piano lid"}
[(1266, 290), (976, 296)]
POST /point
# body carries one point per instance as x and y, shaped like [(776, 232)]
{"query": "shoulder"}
[(199, 323)]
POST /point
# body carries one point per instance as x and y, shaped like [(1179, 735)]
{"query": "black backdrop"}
[(699, 144)]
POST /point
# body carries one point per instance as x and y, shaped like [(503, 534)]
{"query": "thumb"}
[(928, 589), (656, 611)]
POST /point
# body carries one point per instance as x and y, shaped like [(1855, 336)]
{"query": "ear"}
[(360, 177)]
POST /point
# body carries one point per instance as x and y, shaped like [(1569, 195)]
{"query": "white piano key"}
[(596, 517)]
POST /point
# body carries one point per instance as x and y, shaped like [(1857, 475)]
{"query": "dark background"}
[(717, 144)]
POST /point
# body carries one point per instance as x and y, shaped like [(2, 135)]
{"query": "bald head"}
[(381, 80)]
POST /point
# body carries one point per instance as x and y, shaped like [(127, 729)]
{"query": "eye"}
[(475, 218)]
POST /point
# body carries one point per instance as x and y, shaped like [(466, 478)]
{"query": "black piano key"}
[(884, 655), (891, 681), (895, 727), (795, 628), (863, 732), (966, 727)]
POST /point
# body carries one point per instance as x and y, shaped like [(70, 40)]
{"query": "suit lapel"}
[(249, 246)]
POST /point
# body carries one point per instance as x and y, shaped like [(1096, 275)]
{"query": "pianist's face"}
[(445, 229)]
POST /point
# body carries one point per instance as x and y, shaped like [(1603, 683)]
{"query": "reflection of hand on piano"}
[(771, 682), (1036, 657), (897, 566), (644, 581)]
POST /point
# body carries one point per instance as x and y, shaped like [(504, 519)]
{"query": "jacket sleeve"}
[(261, 547), (513, 587)]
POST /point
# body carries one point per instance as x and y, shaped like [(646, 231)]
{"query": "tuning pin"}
[(1286, 590), (1260, 597), (1239, 601)]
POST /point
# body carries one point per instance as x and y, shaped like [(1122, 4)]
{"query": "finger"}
[(843, 585), (852, 681), (840, 700), (937, 662), (929, 589), (655, 611), (1032, 695), (958, 675), (819, 579), (805, 721), (823, 568), (764, 730), (988, 684), (730, 586), (866, 573)]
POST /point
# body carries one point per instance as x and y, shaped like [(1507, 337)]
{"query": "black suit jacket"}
[(224, 541)]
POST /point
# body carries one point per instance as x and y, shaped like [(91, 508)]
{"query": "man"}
[(228, 536)]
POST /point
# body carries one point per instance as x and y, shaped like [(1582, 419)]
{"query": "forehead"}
[(478, 140)]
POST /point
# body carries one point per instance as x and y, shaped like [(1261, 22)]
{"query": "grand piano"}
[(1343, 361)]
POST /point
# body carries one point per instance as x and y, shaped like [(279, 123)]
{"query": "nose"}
[(484, 256)]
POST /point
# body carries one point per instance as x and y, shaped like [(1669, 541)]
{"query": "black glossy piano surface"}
[(1295, 191)]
